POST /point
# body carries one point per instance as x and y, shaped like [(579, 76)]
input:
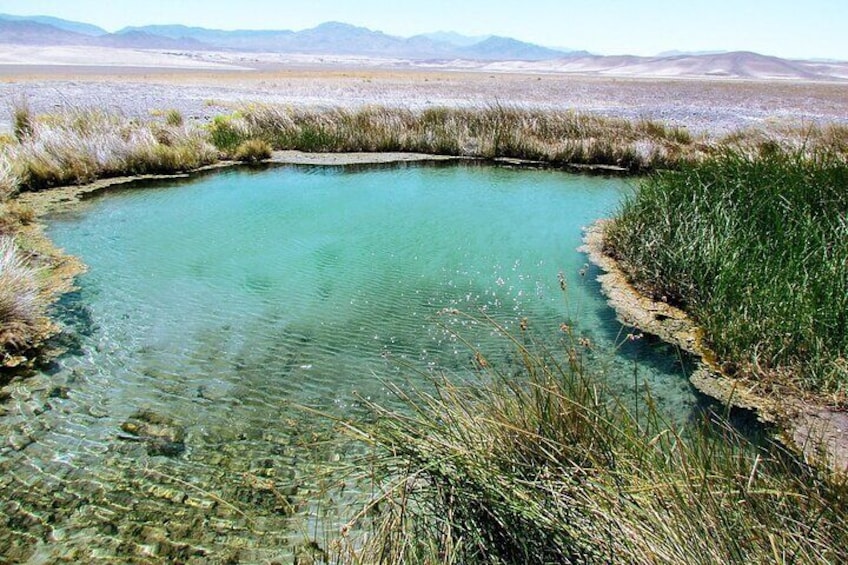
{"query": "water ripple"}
[(222, 305)]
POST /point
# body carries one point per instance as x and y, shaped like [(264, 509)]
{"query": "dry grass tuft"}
[(9, 179), (20, 303), (252, 151)]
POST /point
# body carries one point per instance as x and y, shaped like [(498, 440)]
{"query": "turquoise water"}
[(222, 302)]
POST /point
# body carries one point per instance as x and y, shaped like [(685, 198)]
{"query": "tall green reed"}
[(754, 246)]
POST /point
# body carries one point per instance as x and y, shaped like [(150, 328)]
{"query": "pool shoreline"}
[(807, 426)]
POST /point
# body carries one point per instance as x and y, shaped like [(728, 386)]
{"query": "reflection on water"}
[(213, 309)]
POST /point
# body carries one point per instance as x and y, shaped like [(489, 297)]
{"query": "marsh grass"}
[(809, 140), (81, 145), (252, 151), (547, 466), (753, 245), (22, 120), (9, 180), (174, 118), (496, 131)]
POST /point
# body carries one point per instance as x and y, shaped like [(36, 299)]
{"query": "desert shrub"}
[(252, 151)]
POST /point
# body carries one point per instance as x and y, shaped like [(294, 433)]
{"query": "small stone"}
[(60, 392), (161, 435), (97, 412), (157, 446), (202, 503), (18, 441)]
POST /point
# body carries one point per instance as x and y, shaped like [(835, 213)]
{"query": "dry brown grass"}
[(9, 179), (81, 145), (810, 139)]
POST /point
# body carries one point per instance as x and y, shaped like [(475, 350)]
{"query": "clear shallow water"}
[(222, 301)]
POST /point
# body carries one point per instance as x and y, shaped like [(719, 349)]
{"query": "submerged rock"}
[(19, 441), (160, 433)]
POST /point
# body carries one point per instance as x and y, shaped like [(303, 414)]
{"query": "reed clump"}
[(252, 151), (753, 245), (555, 137), (77, 146), (9, 179), (20, 303), (544, 465)]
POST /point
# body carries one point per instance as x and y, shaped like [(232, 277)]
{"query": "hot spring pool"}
[(224, 303)]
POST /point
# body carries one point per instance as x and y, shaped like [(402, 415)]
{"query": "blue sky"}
[(786, 28)]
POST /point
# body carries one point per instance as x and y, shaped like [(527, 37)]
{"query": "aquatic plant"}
[(546, 466), (753, 245)]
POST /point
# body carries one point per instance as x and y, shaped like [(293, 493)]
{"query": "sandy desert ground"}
[(202, 85)]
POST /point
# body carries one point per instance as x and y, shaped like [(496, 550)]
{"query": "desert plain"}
[(201, 85)]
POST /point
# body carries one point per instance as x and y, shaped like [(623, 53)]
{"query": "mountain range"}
[(328, 38), (39, 36)]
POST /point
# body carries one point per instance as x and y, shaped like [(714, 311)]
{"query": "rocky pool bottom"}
[(219, 313)]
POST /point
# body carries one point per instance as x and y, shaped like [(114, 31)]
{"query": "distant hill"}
[(345, 39), (24, 32), (453, 38), (238, 40), (741, 64), (734, 65), (144, 40), (676, 53), (501, 48), (67, 25)]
